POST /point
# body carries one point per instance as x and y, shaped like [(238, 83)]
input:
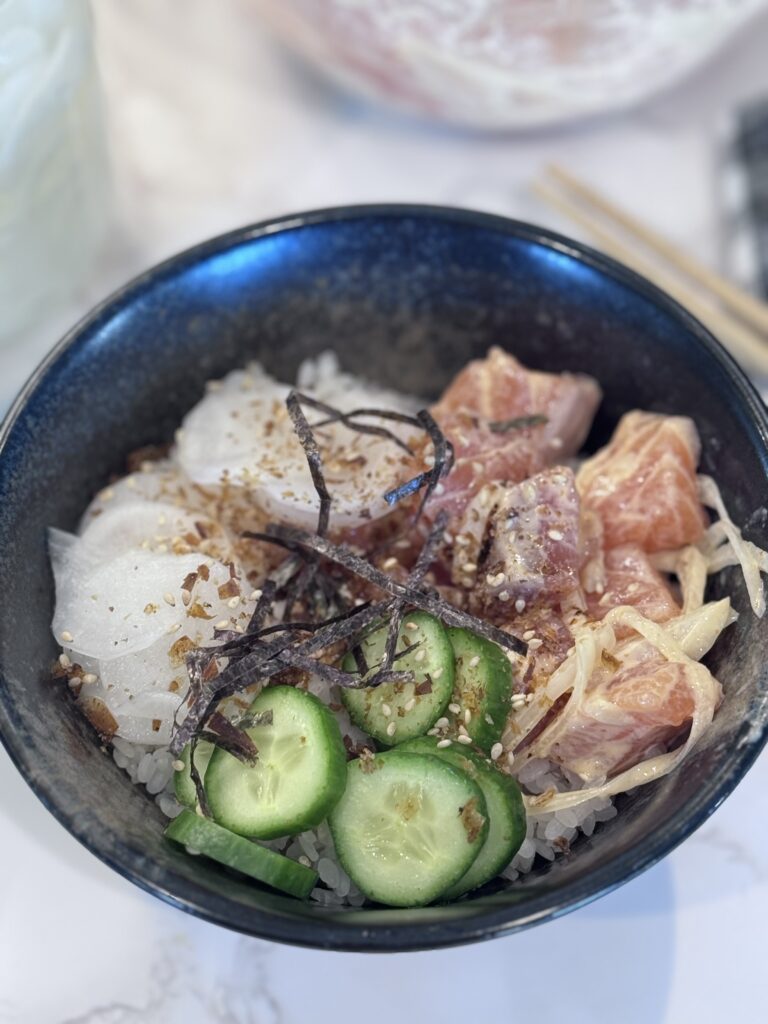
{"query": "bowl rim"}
[(336, 931)]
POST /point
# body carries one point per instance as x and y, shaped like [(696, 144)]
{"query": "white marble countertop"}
[(213, 128)]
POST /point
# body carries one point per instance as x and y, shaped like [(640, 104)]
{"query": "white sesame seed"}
[(410, 704), (170, 599), (510, 759), (390, 563), (467, 716), (504, 595), (528, 634), (178, 766), (440, 489), (533, 645), (89, 678), (464, 739), (222, 624), (474, 662), (554, 535), (463, 730), (441, 723), (469, 566), (411, 625), (520, 605), (64, 661), (437, 673), (174, 627), (420, 656), (254, 595), (233, 602), (186, 597), (442, 744), (391, 728), (529, 698), (238, 628), (66, 637), (386, 710), (496, 751), (304, 859), (454, 708), (433, 732)]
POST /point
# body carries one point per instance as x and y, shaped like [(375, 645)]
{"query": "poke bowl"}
[(387, 331)]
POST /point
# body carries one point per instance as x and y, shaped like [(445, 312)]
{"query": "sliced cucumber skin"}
[(364, 705), (323, 788), (402, 887), (506, 812), (217, 843), (485, 689), (183, 785)]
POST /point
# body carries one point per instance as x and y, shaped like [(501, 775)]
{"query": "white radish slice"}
[(144, 525), (240, 434), (108, 609), (161, 481)]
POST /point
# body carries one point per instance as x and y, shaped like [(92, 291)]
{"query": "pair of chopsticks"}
[(737, 318)]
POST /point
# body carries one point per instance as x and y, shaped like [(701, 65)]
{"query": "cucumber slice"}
[(413, 707), (408, 827), (506, 812), (206, 837), (182, 783), (299, 775), (482, 686)]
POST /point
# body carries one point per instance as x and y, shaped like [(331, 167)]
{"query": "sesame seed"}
[(391, 728), (528, 634), (411, 625), (437, 673), (170, 599), (386, 710), (442, 744), (222, 624), (464, 739), (529, 698), (238, 628), (410, 704), (474, 662), (496, 751), (533, 645), (433, 732), (454, 708), (440, 489), (174, 627), (303, 859), (469, 566), (420, 656), (504, 595), (64, 661), (510, 759), (89, 678), (520, 605), (66, 637), (390, 563), (233, 602), (441, 723), (554, 535), (178, 766), (186, 597), (467, 716), (254, 595)]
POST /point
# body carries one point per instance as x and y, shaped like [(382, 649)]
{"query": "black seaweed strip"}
[(345, 418), (237, 739), (263, 607), (429, 602), (194, 774)]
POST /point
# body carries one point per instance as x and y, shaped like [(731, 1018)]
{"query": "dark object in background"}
[(406, 295), (745, 198)]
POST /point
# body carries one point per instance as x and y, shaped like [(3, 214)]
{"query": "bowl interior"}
[(405, 296)]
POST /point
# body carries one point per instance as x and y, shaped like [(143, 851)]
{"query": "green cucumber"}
[(506, 812), (408, 827), (206, 837), (482, 686), (298, 777), (394, 712), (182, 783)]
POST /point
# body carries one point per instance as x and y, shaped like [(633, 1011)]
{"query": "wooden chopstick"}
[(749, 308), (745, 343)]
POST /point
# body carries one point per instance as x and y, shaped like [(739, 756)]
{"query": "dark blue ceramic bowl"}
[(405, 295)]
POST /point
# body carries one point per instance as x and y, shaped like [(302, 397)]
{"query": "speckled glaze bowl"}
[(405, 295)]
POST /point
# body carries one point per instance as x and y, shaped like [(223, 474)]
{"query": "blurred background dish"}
[(507, 63)]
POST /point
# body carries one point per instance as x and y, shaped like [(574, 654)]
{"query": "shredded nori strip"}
[(347, 419), (517, 423), (232, 738), (428, 601), (197, 781), (314, 459)]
